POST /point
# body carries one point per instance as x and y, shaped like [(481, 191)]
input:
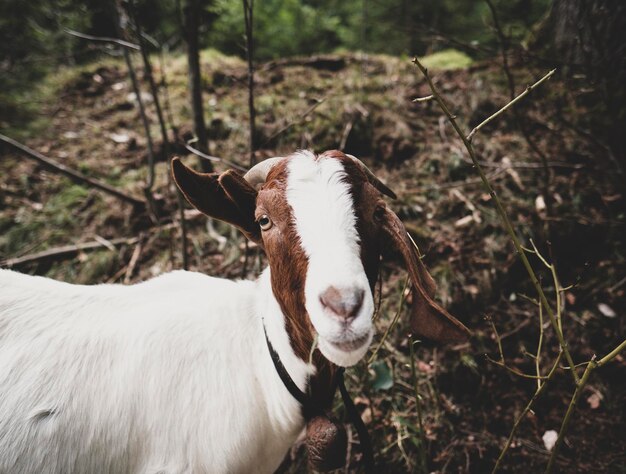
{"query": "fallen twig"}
[(73, 175), (65, 251), (133, 262), (104, 39)]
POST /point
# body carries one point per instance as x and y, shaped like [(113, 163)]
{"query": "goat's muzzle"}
[(343, 304)]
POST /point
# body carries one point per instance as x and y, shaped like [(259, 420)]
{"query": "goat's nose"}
[(345, 303)]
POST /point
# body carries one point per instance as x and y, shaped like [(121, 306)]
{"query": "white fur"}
[(324, 214), (172, 375)]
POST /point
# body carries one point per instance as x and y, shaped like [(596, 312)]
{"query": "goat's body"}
[(172, 375)]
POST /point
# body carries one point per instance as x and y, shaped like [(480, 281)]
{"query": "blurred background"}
[(96, 97)]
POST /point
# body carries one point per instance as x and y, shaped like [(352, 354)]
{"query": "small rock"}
[(594, 400), (606, 310), (145, 97), (464, 221), (540, 204), (120, 137), (549, 439)]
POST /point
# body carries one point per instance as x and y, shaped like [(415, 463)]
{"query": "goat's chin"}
[(345, 354)]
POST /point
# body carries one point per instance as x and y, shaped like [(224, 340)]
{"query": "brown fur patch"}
[(287, 259), (289, 263)]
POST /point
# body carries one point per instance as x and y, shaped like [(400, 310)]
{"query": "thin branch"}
[(418, 405), (504, 45), (528, 90), (104, 39), (528, 407), (197, 152), (248, 15), (513, 370), (142, 112), (66, 251), (529, 165), (539, 346), (495, 331), (503, 216), (71, 174), (570, 409), (130, 268), (611, 355), (162, 127), (191, 14), (497, 174), (393, 323), (592, 365)]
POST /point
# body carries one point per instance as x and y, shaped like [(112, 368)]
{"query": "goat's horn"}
[(374, 181), (257, 175)]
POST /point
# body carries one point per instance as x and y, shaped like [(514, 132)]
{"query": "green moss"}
[(59, 208), (19, 236), (447, 59)]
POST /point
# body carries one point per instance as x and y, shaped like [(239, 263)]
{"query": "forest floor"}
[(574, 211)]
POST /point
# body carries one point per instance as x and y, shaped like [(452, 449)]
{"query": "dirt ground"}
[(573, 210)]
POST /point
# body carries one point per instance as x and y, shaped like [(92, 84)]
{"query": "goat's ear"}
[(428, 318), (226, 197)]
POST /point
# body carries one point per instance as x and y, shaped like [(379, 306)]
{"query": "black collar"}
[(311, 409)]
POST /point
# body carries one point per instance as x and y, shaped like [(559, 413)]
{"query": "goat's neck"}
[(317, 376)]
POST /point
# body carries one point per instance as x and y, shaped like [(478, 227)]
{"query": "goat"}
[(173, 374)]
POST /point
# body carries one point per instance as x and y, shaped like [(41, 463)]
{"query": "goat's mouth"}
[(347, 350), (349, 345)]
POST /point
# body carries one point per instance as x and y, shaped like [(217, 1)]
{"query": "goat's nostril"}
[(344, 303)]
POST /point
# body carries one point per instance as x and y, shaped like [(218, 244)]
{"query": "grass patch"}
[(447, 59)]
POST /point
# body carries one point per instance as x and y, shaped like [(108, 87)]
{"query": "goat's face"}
[(321, 220), (323, 253)]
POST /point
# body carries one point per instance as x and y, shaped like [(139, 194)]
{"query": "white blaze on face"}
[(325, 221)]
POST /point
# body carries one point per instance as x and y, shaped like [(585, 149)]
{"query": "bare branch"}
[(611, 355), (116, 10), (162, 127), (507, 106), (570, 409), (75, 176), (528, 407), (418, 405), (392, 325), (248, 15), (191, 18), (202, 155), (65, 251), (104, 39)]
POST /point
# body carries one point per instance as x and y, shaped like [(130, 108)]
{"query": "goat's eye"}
[(379, 213), (264, 222)]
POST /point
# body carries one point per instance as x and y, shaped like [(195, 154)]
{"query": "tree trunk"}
[(191, 15), (590, 37)]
